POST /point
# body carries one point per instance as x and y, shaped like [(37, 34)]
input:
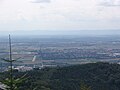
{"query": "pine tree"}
[(11, 82)]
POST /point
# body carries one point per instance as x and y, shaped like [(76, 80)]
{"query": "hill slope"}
[(99, 76)]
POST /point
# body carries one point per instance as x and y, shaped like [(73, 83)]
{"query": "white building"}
[(23, 68)]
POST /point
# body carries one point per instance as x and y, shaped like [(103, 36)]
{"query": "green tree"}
[(83, 86), (11, 82)]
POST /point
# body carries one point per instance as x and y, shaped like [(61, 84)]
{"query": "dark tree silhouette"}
[(11, 82)]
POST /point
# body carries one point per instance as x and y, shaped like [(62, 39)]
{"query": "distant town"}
[(37, 53)]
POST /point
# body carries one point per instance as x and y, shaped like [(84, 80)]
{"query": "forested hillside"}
[(94, 76)]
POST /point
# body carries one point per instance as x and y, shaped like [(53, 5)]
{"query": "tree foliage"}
[(94, 76)]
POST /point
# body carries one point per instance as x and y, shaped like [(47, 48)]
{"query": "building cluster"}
[(23, 68)]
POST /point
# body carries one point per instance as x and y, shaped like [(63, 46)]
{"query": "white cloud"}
[(110, 2), (40, 1), (59, 14)]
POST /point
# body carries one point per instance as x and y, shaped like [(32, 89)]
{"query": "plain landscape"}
[(59, 44), (61, 51)]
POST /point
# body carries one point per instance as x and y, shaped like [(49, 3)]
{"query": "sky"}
[(59, 15)]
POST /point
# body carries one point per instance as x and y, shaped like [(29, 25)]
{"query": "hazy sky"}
[(18, 15)]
